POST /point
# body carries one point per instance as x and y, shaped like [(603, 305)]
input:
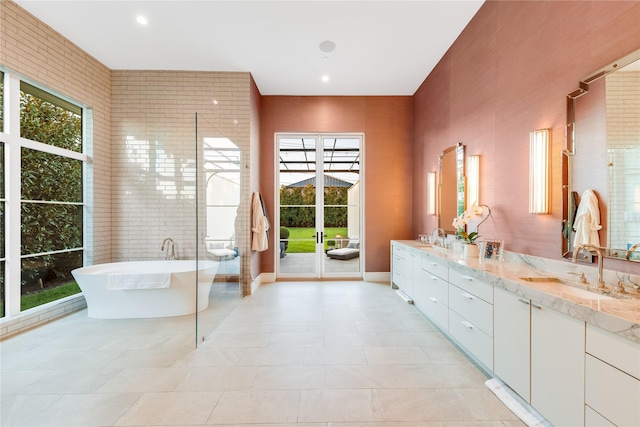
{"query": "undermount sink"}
[(583, 293), (557, 285)]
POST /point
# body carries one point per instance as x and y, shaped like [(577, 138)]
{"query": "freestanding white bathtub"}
[(144, 289)]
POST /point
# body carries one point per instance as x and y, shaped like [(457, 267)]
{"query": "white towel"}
[(260, 225), (138, 281), (587, 222)]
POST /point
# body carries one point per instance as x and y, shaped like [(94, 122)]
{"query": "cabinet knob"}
[(466, 295), (434, 299)]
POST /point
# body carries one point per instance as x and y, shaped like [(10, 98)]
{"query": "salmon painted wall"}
[(508, 74), (387, 126)]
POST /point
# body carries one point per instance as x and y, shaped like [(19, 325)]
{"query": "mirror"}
[(451, 187), (605, 124)]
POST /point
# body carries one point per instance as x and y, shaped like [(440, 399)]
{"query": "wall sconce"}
[(431, 193), (473, 180), (539, 172)]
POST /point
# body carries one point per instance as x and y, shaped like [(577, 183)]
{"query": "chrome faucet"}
[(170, 252), (632, 250), (441, 233), (601, 284)]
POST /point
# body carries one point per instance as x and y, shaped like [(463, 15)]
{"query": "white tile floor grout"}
[(313, 354)]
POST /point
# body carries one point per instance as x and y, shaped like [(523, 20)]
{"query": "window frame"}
[(13, 145)]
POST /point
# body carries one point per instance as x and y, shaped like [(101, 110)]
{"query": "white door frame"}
[(320, 258)]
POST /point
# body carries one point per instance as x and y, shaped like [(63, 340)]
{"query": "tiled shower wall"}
[(153, 149), (623, 146)]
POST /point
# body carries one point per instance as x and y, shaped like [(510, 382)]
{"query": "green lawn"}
[(298, 245), (48, 295)]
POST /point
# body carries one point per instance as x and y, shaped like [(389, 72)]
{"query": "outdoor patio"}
[(305, 263)]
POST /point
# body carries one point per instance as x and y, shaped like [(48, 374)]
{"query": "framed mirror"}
[(603, 154), (451, 187)]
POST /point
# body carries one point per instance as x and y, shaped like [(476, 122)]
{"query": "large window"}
[(44, 212)]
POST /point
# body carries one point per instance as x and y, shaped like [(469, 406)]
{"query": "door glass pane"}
[(298, 241), (342, 205), (297, 232)]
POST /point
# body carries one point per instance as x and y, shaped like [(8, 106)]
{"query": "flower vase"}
[(471, 251)]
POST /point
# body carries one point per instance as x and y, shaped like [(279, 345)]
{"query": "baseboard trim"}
[(377, 276)]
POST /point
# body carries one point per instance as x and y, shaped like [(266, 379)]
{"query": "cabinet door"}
[(420, 294), (557, 366), (511, 341), (415, 266)]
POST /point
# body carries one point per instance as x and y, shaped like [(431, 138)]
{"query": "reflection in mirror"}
[(610, 112), (623, 159), (451, 187)]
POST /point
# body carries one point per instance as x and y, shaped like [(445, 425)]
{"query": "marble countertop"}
[(620, 316)]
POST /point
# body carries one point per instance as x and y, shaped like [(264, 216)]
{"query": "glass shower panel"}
[(222, 222)]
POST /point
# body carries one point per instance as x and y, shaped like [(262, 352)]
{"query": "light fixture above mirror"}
[(431, 193)]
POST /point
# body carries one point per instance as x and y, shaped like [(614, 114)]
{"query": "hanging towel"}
[(259, 224), (587, 222)]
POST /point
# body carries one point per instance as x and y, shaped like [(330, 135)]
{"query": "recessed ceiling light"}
[(325, 78), (327, 46), (141, 20)]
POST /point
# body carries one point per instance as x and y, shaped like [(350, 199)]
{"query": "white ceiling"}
[(382, 47)]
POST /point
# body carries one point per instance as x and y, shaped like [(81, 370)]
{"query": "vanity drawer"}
[(620, 352), (436, 288), (433, 267), (477, 343), (612, 393), (472, 285), (594, 419), (437, 311), (472, 308)]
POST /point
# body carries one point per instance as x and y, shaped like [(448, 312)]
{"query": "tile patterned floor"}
[(308, 354)]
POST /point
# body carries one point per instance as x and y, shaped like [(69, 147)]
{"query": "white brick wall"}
[(154, 157), (40, 315)]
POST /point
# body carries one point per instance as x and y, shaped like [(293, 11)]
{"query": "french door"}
[(320, 213)]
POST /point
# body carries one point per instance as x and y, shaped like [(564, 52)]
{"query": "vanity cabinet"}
[(612, 389), (471, 316), (539, 353), (571, 372)]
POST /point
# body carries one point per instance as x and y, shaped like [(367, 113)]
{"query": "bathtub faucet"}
[(170, 252)]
